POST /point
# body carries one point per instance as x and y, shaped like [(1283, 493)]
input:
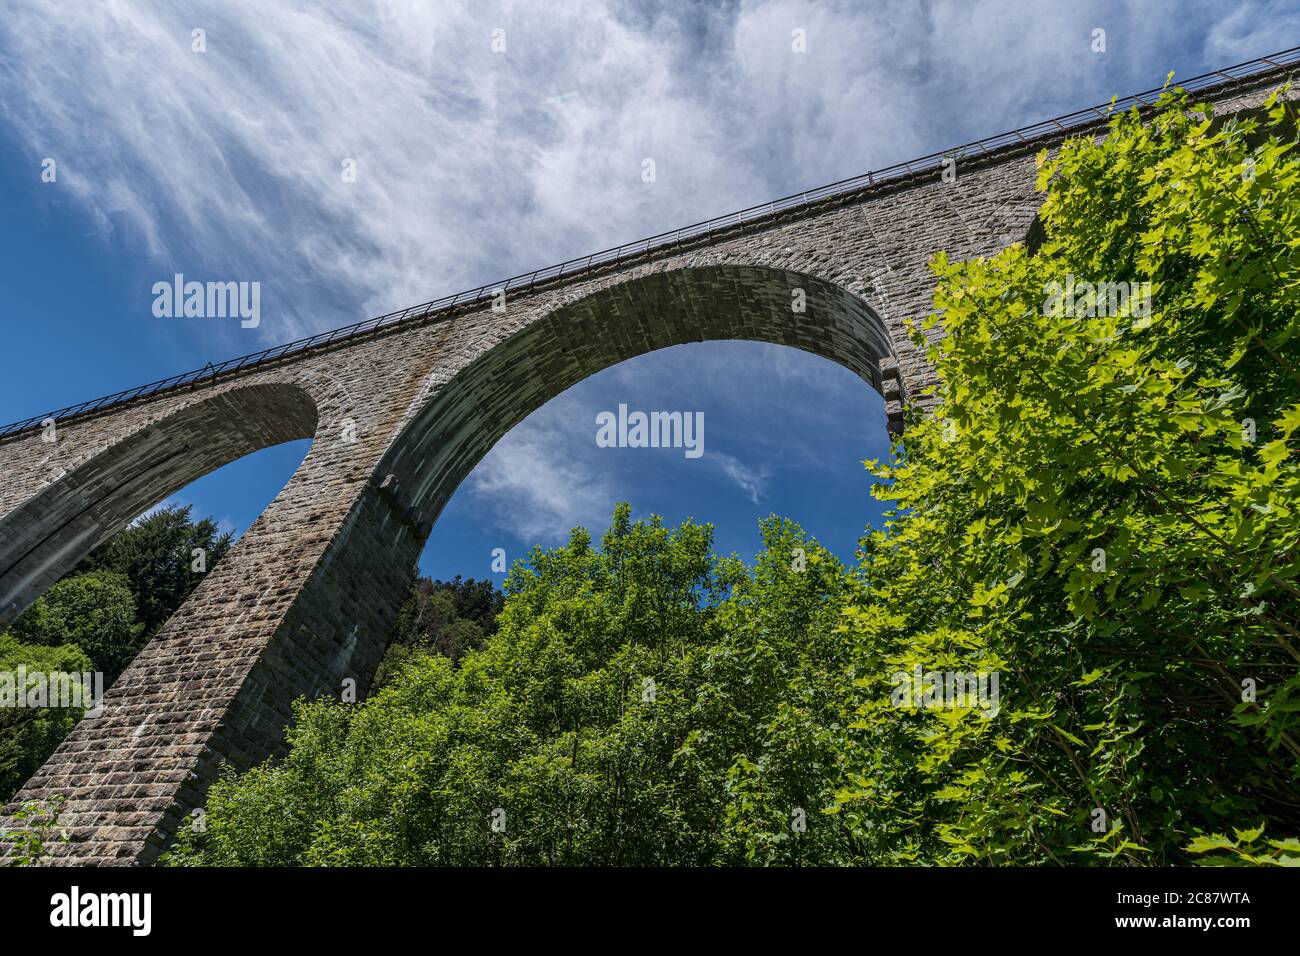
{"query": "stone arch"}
[(44, 538), (480, 402)]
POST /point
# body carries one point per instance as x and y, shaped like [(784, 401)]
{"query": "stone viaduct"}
[(401, 408)]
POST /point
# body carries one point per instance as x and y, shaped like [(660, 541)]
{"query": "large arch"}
[(457, 426), (44, 538)]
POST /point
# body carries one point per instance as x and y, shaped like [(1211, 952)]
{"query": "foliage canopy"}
[(1102, 513)]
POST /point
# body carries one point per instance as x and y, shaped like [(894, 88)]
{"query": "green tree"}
[(97, 619), (641, 703), (1103, 510), (444, 618), (157, 555), (476, 601), (29, 735), (94, 611)]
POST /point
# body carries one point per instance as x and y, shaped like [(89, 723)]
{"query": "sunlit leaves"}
[(1132, 471)]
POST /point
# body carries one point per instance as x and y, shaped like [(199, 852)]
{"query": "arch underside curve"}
[(44, 538), (483, 401)]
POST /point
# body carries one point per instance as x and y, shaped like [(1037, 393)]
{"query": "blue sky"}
[(474, 164)]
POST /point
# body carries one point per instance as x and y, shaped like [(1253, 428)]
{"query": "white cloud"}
[(232, 158), (536, 484), (1249, 29), (752, 481), (473, 164)]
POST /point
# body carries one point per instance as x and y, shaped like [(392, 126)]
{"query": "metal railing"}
[(1046, 129)]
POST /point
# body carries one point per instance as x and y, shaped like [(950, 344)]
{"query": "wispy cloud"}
[(466, 165), (473, 162), (751, 480), (537, 485)]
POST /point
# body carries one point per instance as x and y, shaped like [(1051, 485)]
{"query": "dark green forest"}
[(1074, 640), (96, 619), (101, 614)]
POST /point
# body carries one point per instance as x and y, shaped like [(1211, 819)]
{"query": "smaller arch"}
[(43, 538)]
